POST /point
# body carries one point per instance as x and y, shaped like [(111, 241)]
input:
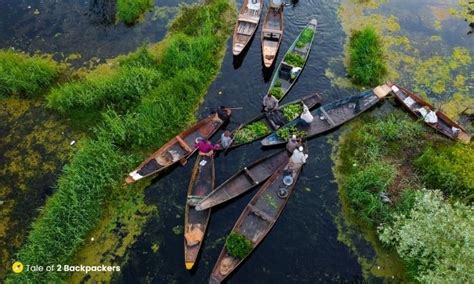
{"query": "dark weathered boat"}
[(283, 77), (258, 218), (330, 116), (444, 125), (195, 222), (247, 24), (177, 149), (310, 101), (244, 180), (272, 33)]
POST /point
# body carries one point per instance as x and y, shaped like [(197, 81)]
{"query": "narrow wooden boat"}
[(289, 70), (266, 127), (247, 24), (244, 180), (444, 125), (177, 149), (329, 116), (272, 33), (195, 222), (258, 218)]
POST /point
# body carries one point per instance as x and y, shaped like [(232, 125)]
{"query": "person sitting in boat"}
[(270, 103), (205, 147), (293, 143), (297, 159), (226, 139), (306, 117), (224, 114)]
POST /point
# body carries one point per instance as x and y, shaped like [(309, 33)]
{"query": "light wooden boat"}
[(247, 24), (272, 34)]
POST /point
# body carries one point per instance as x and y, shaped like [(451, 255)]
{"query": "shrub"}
[(434, 239), (21, 74), (238, 245), (367, 66), (449, 168), (294, 59), (129, 11)]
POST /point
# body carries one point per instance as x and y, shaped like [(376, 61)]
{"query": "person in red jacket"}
[(205, 147)]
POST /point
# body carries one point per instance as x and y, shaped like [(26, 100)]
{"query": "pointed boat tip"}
[(313, 21), (189, 265)]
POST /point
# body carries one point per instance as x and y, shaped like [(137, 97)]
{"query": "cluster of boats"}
[(274, 174)]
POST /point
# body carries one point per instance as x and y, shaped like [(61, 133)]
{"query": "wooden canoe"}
[(282, 74), (244, 180), (257, 219), (195, 222), (272, 34), (412, 102), (332, 115), (247, 23), (180, 148), (310, 101)]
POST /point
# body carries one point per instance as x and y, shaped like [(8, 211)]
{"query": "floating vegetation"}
[(238, 245), (21, 74), (129, 11), (286, 132), (251, 132), (294, 59), (292, 111), (367, 65), (305, 38)]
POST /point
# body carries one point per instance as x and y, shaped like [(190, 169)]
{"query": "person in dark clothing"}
[(224, 114)]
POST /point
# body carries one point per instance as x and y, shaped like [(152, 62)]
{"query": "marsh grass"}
[(129, 11), (367, 66), (21, 74)]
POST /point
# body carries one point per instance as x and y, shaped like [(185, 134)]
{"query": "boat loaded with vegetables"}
[(260, 126), (293, 62), (256, 221), (432, 117), (328, 116), (177, 149)]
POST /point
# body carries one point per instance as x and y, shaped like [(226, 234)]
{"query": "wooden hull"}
[(180, 148), (195, 222), (272, 34), (244, 180), (332, 115), (256, 220), (310, 101), (282, 73), (444, 124), (247, 23)]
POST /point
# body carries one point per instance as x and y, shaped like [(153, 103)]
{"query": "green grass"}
[(21, 74), (129, 11), (294, 59), (367, 66), (156, 112)]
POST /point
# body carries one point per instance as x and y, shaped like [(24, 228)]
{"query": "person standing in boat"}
[(293, 143), (270, 106), (205, 147), (226, 139), (306, 117), (270, 103), (297, 159), (224, 114)]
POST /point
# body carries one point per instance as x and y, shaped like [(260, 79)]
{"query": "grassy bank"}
[(383, 165), (25, 75), (367, 66), (129, 11), (186, 62)]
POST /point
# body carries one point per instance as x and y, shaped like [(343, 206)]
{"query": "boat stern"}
[(382, 91), (237, 49), (189, 265), (133, 177)]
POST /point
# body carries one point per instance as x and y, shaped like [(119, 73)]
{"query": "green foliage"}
[(367, 66), (277, 92), (277, 83), (128, 11), (286, 132), (434, 239), (305, 38), (449, 168), (251, 132), (292, 111), (294, 59), (363, 189), (238, 245), (21, 74)]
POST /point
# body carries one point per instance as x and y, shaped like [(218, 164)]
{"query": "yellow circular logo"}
[(17, 267)]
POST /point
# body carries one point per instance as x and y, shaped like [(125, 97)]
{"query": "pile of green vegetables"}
[(305, 37), (238, 245), (251, 132), (292, 111), (286, 132), (294, 59)]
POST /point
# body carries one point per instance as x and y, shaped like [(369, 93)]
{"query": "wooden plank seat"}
[(249, 19), (326, 115), (261, 214), (184, 145), (250, 176)]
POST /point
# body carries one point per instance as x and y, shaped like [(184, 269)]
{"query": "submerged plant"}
[(238, 245)]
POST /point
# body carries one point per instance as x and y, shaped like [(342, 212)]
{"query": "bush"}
[(449, 168), (129, 11), (434, 239), (21, 74), (367, 66), (238, 245)]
